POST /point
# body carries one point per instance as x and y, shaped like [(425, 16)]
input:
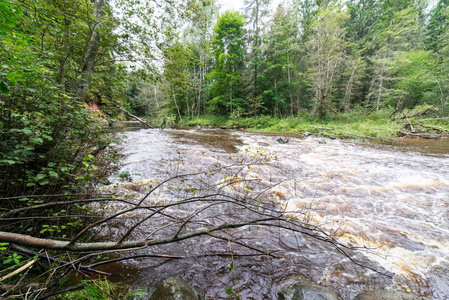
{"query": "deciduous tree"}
[(327, 53), (229, 53)]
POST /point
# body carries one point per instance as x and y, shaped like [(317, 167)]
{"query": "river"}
[(390, 202)]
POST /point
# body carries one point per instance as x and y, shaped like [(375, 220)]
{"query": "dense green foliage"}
[(315, 57), (354, 124), (57, 55), (49, 142)]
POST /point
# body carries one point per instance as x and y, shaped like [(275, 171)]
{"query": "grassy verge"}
[(357, 122)]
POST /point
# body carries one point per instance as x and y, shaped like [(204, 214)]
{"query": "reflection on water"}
[(428, 146), (130, 126), (391, 199), (210, 138)]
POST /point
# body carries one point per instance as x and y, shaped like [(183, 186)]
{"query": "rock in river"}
[(283, 140), (303, 289), (174, 288)]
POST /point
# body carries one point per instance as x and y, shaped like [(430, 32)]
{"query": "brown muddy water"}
[(391, 202)]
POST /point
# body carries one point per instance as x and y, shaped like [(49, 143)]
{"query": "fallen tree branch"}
[(438, 129), (29, 241), (72, 288), (50, 196), (7, 287), (46, 257), (372, 109), (416, 135), (136, 117), (425, 112), (261, 252), (409, 123), (46, 205), (23, 268), (170, 257)]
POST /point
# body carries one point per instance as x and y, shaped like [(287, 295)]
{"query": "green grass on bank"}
[(357, 122)]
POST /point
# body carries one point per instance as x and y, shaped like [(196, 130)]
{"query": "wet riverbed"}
[(389, 201)]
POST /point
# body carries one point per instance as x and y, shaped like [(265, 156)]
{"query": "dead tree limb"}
[(136, 117), (12, 212), (48, 244), (23, 268), (425, 112), (417, 135)]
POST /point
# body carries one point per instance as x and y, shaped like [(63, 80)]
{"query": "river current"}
[(389, 202)]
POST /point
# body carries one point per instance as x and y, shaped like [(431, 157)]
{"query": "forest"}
[(304, 57), (177, 61)]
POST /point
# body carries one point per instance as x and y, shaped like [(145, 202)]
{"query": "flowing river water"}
[(389, 201)]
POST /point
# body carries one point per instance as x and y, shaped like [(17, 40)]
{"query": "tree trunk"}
[(87, 65), (176, 104), (382, 71), (63, 60), (199, 92), (155, 96)]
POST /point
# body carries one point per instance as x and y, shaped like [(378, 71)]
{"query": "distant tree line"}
[(305, 57)]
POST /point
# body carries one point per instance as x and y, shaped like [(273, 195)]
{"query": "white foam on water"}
[(394, 203)]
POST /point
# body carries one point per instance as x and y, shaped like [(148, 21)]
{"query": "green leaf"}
[(53, 174), (4, 87), (7, 162), (13, 76), (44, 182), (38, 140), (3, 246), (230, 291), (40, 176)]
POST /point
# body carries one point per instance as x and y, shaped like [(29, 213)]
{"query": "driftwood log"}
[(416, 128), (422, 113), (418, 135)]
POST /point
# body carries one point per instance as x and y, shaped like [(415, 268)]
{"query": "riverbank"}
[(357, 124)]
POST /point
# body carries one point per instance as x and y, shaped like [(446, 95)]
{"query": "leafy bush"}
[(49, 142)]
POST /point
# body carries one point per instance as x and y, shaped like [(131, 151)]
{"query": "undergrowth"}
[(357, 122)]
